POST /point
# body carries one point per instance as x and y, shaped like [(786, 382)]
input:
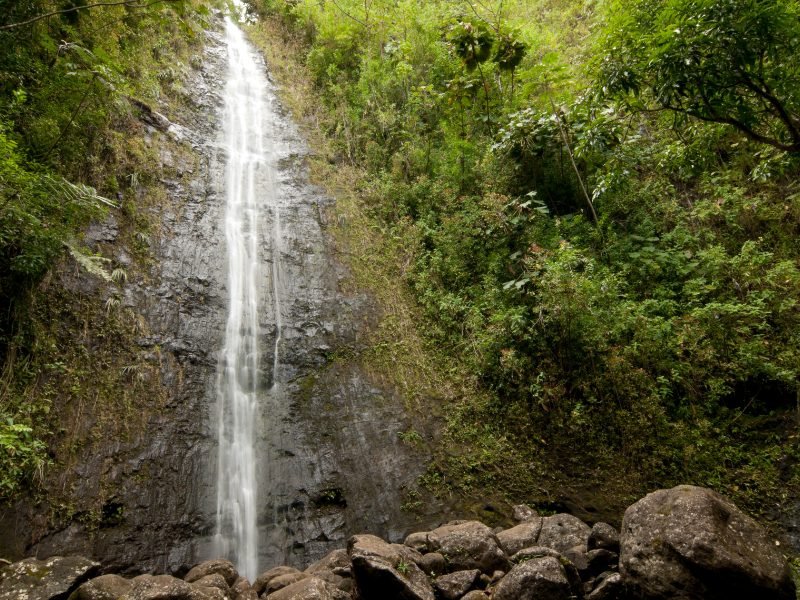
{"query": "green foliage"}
[(667, 332), (67, 140), (725, 61), (21, 456)]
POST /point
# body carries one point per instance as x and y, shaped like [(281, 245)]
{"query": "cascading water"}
[(248, 191)]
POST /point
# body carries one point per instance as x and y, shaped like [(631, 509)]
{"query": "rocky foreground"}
[(685, 543)]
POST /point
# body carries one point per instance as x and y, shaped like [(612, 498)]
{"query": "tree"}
[(723, 61)]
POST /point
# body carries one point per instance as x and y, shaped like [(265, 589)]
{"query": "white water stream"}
[(250, 198)]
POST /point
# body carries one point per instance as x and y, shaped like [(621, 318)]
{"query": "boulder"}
[(343, 583), (603, 536), (469, 545), (164, 587), (242, 590), (105, 587), (214, 580), (524, 535), (609, 588), (564, 533), (383, 570), (536, 579), (454, 585), (418, 541), (282, 581), (691, 543), (337, 561), (49, 579), (309, 588), (433, 563), (475, 595), (221, 567), (262, 581), (522, 512), (571, 571)]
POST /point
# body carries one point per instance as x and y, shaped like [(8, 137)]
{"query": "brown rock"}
[(282, 581), (210, 567), (603, 536), (418, 541), (164, 587), (382, 570), (310, 588), (536, 579), (215, 580), (571, 571), (105, 587), (521, 536), (262, 581), (564, 533), (433, 563), (469, 545), (242, 590), (475, 595), (455, 585), (337, 561), (35, 579), (691, 543)]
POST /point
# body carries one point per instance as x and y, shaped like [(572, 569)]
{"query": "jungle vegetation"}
[(598, 203), (73, 76), (600, 209)]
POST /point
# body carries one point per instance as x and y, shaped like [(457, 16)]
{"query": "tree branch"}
[(128, 3), (348, 15)]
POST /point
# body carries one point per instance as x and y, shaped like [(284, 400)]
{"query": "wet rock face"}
[(691, 543), (317, 486)]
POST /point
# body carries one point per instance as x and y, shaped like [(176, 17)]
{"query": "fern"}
[(76, 193), (93, 264)]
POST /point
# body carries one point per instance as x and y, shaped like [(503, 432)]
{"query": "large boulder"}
[(282, 581), (604, 537), (691, 543), (221, 567), (50, 579), (389, 571), (337, 562), (570, 570), (262, 582), (310, 588), (243, 590), (564, 533), (524, 535), (469, 545), (105, 587), (455, 585), (536, 579), (164, 587)]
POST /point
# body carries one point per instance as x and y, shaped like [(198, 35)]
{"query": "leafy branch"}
[(127, 3)]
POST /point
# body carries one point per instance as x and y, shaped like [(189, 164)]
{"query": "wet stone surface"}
[(330, 461)]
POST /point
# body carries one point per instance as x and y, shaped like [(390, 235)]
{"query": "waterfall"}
[(249, 190)]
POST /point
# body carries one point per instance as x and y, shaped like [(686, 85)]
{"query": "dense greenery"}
[(67, 78), (602, 215)]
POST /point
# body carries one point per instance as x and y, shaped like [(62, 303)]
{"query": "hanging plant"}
[(472, 42), (510, 52)]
